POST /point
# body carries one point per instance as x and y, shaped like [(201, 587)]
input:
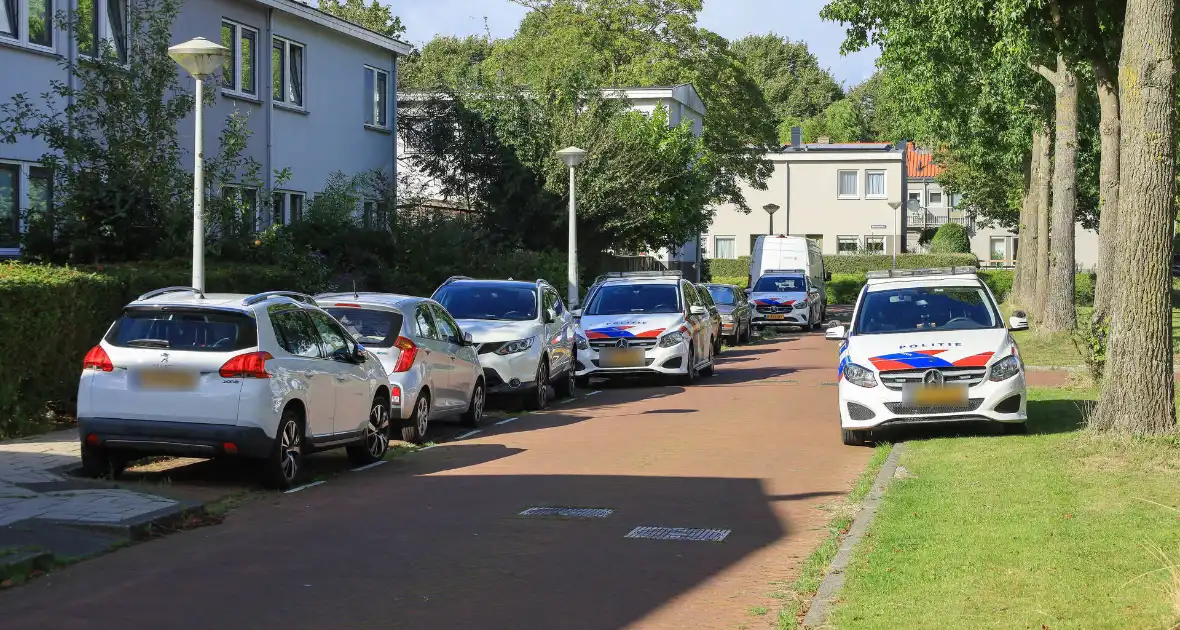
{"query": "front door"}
[(351, 380), (698, 324), (461, 358), (438, 362)]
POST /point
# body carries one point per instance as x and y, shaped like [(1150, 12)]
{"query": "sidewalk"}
[(48, 514)]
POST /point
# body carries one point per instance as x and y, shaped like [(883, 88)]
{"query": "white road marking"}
[(597, 391), (468, 434), (304, 487), (373, 465), (426, 448), (507, 421), (562, 402)]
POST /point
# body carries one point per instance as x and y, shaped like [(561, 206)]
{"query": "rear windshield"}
[(623, 299), (488, 301), (724, 295), (184, 329), (770, 284), (372, 328), (926, 309)]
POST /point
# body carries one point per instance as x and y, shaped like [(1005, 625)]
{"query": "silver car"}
[(432, 364), (525, 335)]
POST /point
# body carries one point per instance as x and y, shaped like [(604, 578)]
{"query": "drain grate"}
[(568, 512), (679, 533)]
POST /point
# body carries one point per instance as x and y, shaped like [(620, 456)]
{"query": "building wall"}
[(1085, 246)]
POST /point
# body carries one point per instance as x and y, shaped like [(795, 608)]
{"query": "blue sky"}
[(796, 19)]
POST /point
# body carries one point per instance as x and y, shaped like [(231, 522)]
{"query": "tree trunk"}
[(1108, 190), (1060, 310), (1024, 284), (1041, 297), (1138, 384)]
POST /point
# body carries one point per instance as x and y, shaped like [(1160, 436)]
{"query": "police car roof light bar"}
[(770, 271), (671, 273), (912, 273)]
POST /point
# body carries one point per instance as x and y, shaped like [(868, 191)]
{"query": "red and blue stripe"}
[(616, 332), (926, 359)]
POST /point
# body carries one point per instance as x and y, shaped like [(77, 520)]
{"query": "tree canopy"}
[(793, 84), (374, 16)]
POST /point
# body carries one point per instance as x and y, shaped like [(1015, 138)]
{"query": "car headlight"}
[(583, 343), (800, 305), (515, 347), (673, 338), (726, 317), (1004, 369), (858, 375)]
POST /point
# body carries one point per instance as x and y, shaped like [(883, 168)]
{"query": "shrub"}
[(843, 288), (737, 281), (999, 281), (727, 267), (863, 263), (951, 238)]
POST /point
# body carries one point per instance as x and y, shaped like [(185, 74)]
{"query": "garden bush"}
[(951, 238), (863, 263)]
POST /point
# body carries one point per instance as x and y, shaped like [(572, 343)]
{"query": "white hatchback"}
[(268, 377), (928, 346)]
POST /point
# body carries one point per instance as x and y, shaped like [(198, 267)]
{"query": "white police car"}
[(786, 297), (928, 346)]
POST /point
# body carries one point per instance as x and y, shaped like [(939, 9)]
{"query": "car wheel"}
[(567, 385), (733, 340), (690, 376), (473, 417), (376, 440), (709, 369), (1015, 428), (285, 462), (415, 432), (539, 398), (749, 334), (101, 463), (854, 438), (717, 345)]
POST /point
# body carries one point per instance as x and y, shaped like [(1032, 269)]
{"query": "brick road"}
[(434, 540)]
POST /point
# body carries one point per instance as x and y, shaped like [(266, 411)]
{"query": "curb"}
[(23, 563), (834, 578)]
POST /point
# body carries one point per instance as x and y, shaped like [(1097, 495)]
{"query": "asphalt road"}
[(435, 539)]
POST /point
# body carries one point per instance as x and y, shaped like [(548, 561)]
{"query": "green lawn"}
[(1049, 530), (1058, 350)]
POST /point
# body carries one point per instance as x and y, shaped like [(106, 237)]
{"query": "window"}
[(691, 298), (447, 327), (27, 21), (424, 322), (238, 72), (294, 331), (286, 58), (1015, 247), (102, 21), (334, 341), (724, 247), (998, 249), (370, 327), (489, 300), (192, 330), (956, 200), (847, 244), (636, 299), (376, 98), (368, 214), (926, 309), (782, 284), (9, 205), (724, 295), (244, 201), (935, 198), (40, 196), (847, 185), (874, 184), (875, 244)]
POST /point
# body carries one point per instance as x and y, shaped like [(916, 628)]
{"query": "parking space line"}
[(426, 448), (507, 421), (467, 435), (304, 487), (373, 465), (597, 391)]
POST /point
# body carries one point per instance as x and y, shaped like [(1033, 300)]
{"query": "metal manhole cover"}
[(830, 384), (679, 533), (568, 512)]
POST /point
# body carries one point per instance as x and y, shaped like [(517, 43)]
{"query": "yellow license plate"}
[(167, 379), (933, 396), (621, 358), (776, 317)]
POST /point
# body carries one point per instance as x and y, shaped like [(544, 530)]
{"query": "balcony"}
[(928, 218)]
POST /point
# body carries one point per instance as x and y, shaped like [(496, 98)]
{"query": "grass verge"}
[(796, 595), (1056, 529)]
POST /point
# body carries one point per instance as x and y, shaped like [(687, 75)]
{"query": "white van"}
[(790, 252)]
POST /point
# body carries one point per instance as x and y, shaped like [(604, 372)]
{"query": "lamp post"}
[(896, 205), (770, 209), (572, 156), (201, 58)]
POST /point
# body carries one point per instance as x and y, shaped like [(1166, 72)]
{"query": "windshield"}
[(781, 284), (489, 301), (373, 328), (624, 299), (724, 295), (183, 329), (925, 309)]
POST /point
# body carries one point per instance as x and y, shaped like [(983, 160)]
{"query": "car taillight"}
[(97, 359), (395, 395), (409, 352), (249, 365)]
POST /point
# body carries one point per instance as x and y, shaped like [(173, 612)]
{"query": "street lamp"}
[(896, 205), (201, 58), (770, 209), (573, 156)]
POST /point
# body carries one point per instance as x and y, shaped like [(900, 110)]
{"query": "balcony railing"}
[(932, 218)]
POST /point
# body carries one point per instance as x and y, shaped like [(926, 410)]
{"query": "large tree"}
[(794, 85), (446, 61), (1139, 386), (374, 16)]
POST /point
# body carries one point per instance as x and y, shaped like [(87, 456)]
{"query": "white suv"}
[(928, 346), (268, 377)]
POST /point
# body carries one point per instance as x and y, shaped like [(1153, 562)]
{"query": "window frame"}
[(443, 319), (285, 100), (240, 188), (375, 107), (279, 312), (842, 239), (20, 23), (288, 196), (875, 238), (941, 203), (884, 183), (100, 32), (433, 333), (18, 204), (235, 60), (991, 248), (717, 248), (855, 182)]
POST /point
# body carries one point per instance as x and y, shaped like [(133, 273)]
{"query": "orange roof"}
[(920, 163)]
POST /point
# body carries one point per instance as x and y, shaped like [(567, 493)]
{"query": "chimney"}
[(823, 140), (796, 137)]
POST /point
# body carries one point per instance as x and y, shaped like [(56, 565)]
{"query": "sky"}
[(733, 19)]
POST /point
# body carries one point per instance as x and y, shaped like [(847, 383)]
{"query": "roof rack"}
[(454, 278), (671, 273), (910, 273), (159, 292), (262, 297), (769, 271)]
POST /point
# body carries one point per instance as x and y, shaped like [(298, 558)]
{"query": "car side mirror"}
[(1018, 321), (349, 355), (748, 290), (467, 340), (827, 276), (549, 316), (697, 310), (577, 313), (836, 333)]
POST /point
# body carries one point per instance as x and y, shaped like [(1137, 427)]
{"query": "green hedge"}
[(859, 263), (844, 288), (52, 316)]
